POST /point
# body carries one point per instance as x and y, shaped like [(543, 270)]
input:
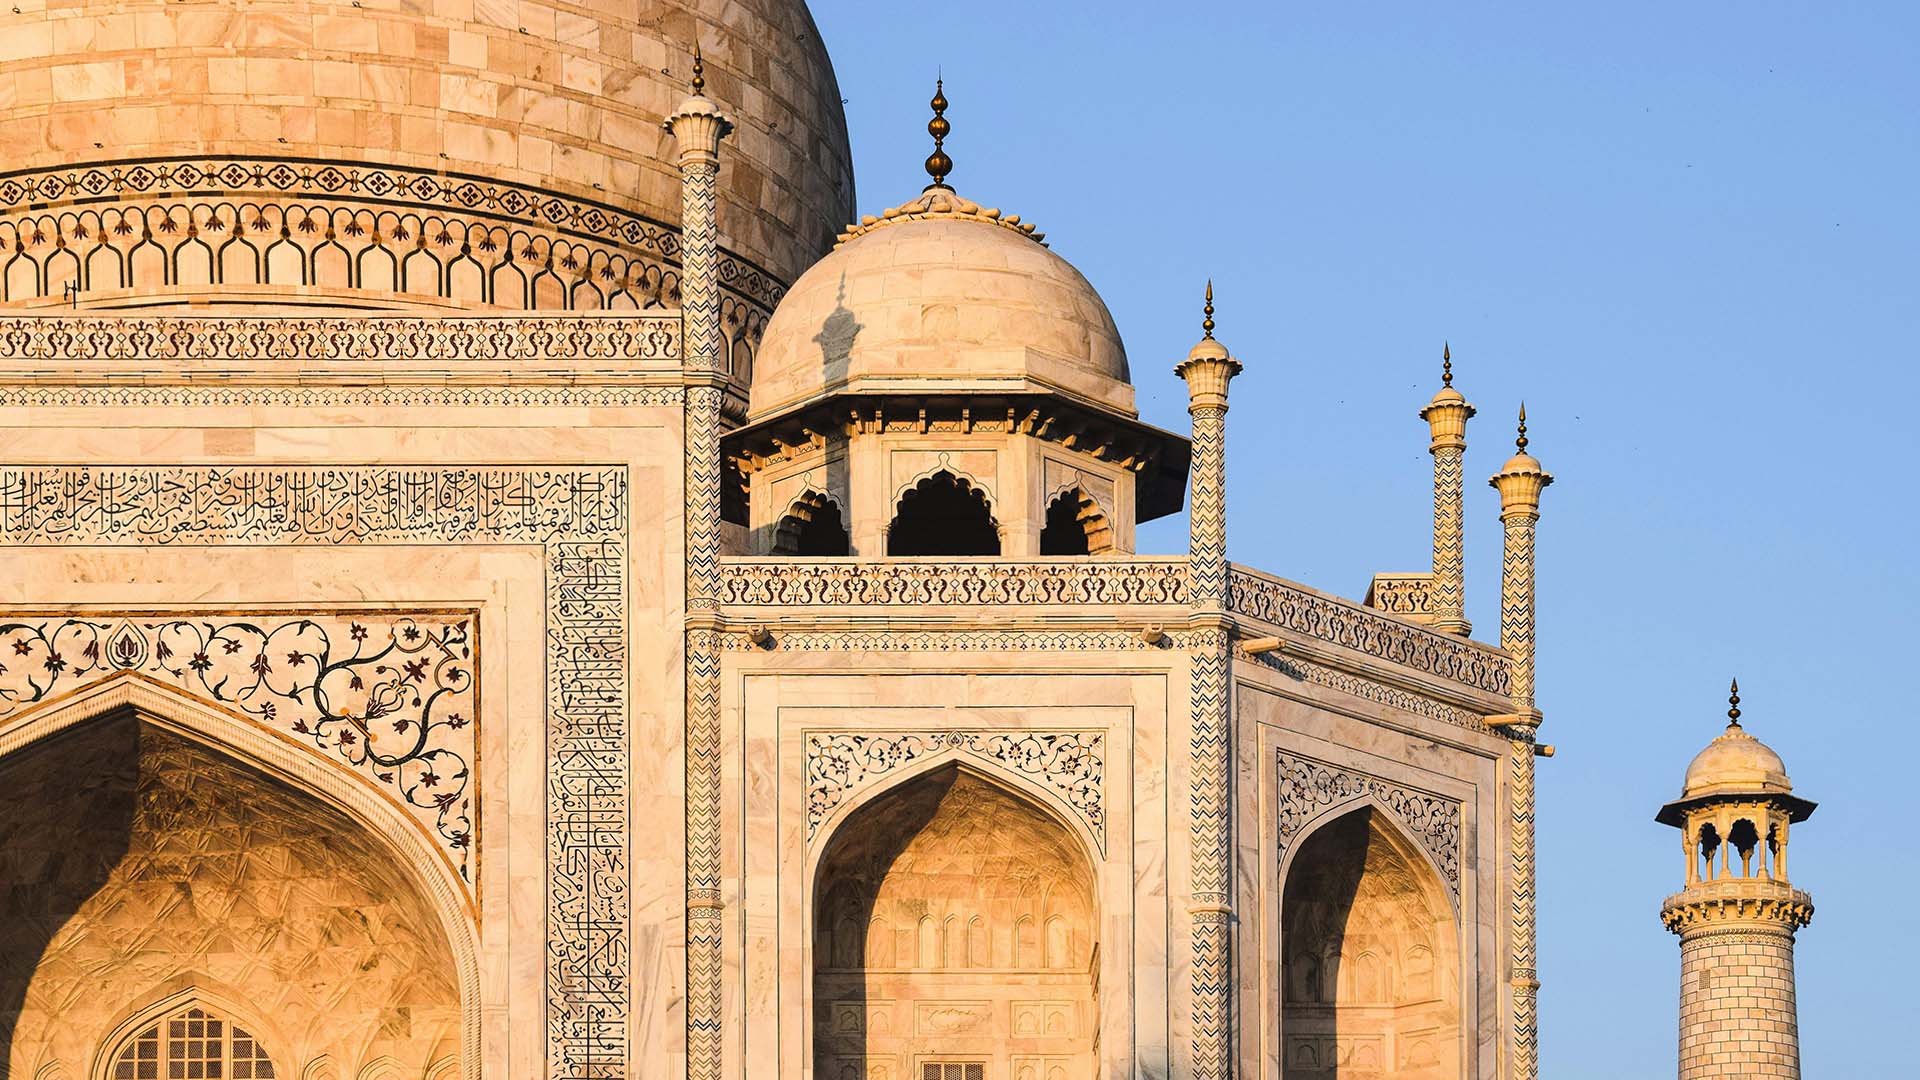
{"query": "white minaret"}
[(1738, 914)]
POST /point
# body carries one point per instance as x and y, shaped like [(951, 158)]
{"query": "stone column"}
[(1520, 482), (699, 125), (1446, 416), (1207, 370)]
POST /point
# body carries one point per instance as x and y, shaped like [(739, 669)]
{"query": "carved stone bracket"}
[(1071, 764), (1308, 787)]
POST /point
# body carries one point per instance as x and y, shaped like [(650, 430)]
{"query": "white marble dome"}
[(941, 295)]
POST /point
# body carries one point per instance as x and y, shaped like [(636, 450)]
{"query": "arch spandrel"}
[(1062, 770), (1313, 792), (390, 697)]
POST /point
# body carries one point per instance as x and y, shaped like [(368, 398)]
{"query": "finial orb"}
[(938, 163)]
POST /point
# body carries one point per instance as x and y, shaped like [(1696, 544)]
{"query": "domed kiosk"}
[(944, 384), (381, 155)]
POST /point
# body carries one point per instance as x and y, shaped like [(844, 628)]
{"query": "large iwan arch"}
[(955, 921), (1370, 955), (181, 852)]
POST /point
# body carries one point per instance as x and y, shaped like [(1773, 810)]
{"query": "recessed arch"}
[(953, 851), (943, 514), (237, 1020), (813, 526), (1370, 953), (1075, 525), (133, 699)]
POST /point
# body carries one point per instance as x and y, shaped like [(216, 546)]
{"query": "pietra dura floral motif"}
[(1069, 763), (390, 696)]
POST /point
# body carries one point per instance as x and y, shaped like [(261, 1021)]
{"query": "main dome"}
[(544, 116), (941, 295)]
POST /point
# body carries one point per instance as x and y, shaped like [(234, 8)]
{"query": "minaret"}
[(699, 125), (1208, 369), (1520, 482), (1738, 914), (1446, 416)]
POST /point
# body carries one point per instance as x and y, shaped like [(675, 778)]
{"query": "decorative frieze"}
[(389, 695), (1371, 690), (372, 340), (1071, 764), (269, 220), (1351, 626), (1309, 787), (998, 582)]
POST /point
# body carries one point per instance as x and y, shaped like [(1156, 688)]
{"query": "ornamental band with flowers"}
[(390, 696)]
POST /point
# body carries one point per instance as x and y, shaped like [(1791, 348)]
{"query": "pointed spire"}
[(1733, 705), (1521, 441), (699, 71), (1208, 324), (1446, 364), (938, 163)]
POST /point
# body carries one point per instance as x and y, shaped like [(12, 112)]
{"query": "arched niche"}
[(174, 849), (1075, 525), (955, 920), (943, 514), (1370, 956), (813, 526)]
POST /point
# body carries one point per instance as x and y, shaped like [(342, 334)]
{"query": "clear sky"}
[(1686, 234)]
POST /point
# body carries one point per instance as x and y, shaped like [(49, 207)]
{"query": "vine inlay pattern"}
[(1308, 787), (1072, 764), (389, 695), (778, 583), (385, 340)]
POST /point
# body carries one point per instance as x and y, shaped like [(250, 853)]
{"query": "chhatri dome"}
[(1736, 763), (941, 290)]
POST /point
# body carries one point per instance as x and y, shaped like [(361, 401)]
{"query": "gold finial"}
[(1733, 705), (938, 163), (1521, 442), (1446, 364), (1208, 324), (699, 71)]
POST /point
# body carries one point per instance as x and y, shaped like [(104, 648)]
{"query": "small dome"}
[(1736, 763), (941, 295)]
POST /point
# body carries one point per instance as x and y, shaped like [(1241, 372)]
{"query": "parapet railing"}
[(1301, 610)]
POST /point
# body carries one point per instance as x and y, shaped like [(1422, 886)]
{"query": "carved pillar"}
[(699, 125), (1520, 482), (1446, 416), (1207, 370)]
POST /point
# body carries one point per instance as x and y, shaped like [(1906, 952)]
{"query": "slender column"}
[(1520, 483), (1446, 416), (699, 125), (1207, 370)]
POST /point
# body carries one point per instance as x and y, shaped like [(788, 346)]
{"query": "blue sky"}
[(1686, 234)]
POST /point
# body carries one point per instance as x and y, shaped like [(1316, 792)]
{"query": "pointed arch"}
[(236, 1019), (943, 514), (133, 696), (1370, 946), (813, 526), (1076, 525), (952, 847)]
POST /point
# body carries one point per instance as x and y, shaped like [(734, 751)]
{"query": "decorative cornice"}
[(1753, 905), (1410, 596), (302, 397)]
